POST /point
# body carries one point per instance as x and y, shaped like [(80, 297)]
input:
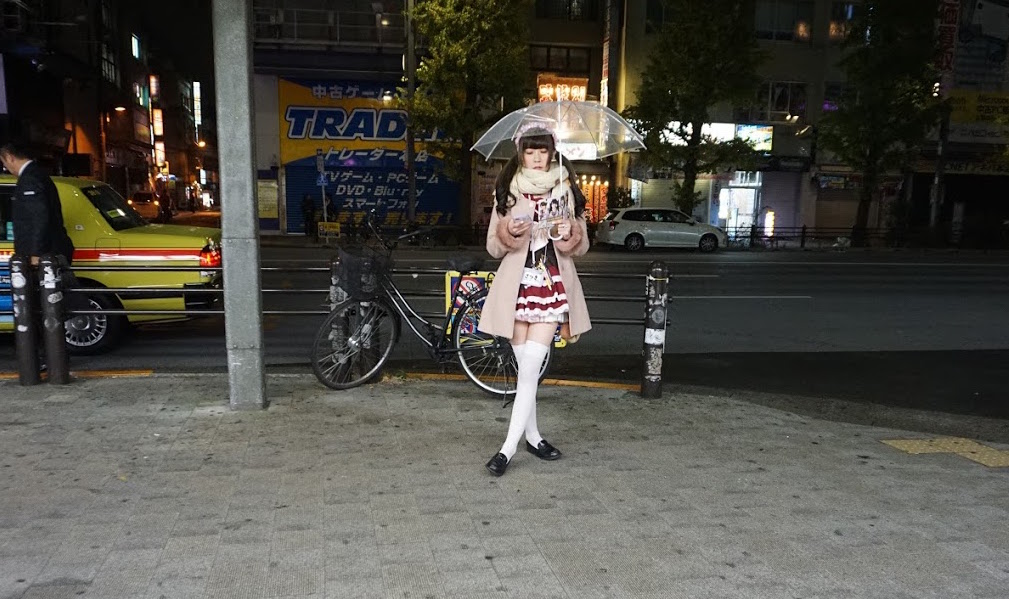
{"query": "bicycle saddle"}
[(464, 264)]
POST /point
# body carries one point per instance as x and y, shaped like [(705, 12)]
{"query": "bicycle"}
[(358, 335)]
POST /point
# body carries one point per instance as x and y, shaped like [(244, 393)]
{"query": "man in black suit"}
[(36, 212), (37, 217)]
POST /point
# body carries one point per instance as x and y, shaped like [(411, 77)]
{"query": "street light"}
[(201, 144), (120, 108)]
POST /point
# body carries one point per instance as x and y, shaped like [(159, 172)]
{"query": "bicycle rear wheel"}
[(353, 343), (487, 360)]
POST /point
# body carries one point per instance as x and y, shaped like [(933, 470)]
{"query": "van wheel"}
[(634, 242), (89, 334)]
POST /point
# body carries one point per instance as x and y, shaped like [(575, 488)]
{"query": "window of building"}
[(136, 46), (558, 59), (789, 20), (655, 16), (155, 87), (108, 16), (110, 67), (833, 94), (841, 16), (140, 95), (776, 101), (570, 10)]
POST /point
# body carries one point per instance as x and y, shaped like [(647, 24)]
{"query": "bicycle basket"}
[(361, 270)]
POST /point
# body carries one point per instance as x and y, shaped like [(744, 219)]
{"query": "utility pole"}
[(411, 84)]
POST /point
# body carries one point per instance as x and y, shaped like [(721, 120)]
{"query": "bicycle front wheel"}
[(487, 360), (353, 343)]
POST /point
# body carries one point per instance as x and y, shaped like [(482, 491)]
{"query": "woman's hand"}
[(564, 229), (518, 228)]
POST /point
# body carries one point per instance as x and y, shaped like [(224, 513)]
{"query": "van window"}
[(113, 208)]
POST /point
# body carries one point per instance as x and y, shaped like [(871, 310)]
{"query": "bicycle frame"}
[(435, 338)]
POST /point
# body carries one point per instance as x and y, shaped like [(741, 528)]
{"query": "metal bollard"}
[(53, 314), (25, 339), (655, 330), (337, 295), (802, 240)]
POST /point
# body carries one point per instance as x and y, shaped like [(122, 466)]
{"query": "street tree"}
[(706, 53), (889, 107), (473, 69)]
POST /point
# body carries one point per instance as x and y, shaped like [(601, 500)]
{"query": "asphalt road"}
[(908, 329)]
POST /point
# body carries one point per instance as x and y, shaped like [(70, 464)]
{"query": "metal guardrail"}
[(654, 320), (986, 237)]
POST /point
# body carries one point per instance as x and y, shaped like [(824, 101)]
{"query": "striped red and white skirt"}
[(543, 302)]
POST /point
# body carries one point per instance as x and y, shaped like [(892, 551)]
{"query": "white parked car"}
[(637, 228)]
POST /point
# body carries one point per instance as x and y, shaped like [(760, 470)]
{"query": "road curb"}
[(417, 376)]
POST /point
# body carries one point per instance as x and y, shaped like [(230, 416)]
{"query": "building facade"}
[(805, 186), (78, 81)]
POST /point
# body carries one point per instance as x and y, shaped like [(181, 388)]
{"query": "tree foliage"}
[(474, 68), (705, 54), (888, 108)]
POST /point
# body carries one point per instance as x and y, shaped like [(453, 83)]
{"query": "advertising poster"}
[(352, 131), (973, 42)]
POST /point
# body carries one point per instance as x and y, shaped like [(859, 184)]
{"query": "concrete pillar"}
[(808, 194), (239, 214)]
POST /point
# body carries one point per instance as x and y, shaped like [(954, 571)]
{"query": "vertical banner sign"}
[(344, 141), (949, 19)]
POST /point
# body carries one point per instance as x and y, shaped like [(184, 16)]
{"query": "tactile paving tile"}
[(987, 456), (972, 450), (940, 445)]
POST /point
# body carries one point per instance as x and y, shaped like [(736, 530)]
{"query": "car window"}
[(675, 216), (143, 197), (113, 208), (634, 215), (611, 215), (6, 193)]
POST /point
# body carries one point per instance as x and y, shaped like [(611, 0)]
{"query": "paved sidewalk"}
[(153, 488)]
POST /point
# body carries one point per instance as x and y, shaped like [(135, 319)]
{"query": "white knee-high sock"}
[(519, 351), (525, 394)]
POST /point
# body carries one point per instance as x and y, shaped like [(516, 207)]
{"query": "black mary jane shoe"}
[(497, 464), (544, 451)]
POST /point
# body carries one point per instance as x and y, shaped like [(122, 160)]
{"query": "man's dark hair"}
[(16, 149)]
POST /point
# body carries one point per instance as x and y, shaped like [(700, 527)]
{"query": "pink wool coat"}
[(498, 314)]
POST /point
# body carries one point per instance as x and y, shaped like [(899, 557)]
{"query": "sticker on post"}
[(655, 337)]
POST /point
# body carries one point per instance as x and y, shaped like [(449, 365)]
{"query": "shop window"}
[(841, 16), (788, 20), (570, 10)]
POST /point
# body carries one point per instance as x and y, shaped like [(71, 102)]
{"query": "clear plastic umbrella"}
[(584, 131)]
